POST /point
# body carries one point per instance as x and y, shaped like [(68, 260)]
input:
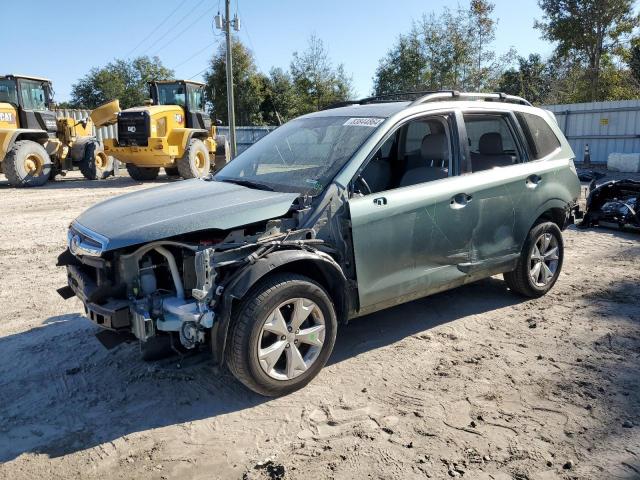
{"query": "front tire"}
[(195, 162), (282, 334), (95, 164), (540, 261), (142, 174), (27, 164)]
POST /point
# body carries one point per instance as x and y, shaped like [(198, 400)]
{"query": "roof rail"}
[(420, 97), (385, 98), (455, 95)]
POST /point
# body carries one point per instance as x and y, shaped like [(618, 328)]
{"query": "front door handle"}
[(380, 201), (533, 181), (460, 200)]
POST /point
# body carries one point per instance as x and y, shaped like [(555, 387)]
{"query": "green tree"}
[(248, 85), (403, 67), (589, 30), (531, 80), (633, 59), (280, 103), (482, 31), (316, 81), (125, 80), (450, 49)]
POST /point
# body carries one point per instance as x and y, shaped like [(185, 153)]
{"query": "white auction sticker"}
[(364, 122)]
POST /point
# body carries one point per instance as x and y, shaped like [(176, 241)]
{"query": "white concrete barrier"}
[(624, 162)]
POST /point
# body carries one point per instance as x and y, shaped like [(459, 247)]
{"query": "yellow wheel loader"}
[(172, 131), (35, 145)]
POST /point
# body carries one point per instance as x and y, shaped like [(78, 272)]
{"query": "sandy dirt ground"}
[(474, 383)]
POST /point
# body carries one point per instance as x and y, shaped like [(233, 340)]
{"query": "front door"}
[(414, 227)]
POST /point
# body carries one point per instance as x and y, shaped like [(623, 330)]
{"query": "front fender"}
[(8, 136), (180, 137), (280, 260)]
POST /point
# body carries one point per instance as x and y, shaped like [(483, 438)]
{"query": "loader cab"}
[(186, 94), (32, 97)]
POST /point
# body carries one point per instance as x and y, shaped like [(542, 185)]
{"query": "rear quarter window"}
[(540, 138)]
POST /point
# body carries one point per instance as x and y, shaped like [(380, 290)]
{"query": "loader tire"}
[(142, 174), (95, 164), (195, 162), (27, 164)]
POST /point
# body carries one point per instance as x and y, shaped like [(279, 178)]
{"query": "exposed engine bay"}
[(175, 286)]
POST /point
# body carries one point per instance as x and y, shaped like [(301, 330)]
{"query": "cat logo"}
[(179, 117), (131, 129), (7, 117)]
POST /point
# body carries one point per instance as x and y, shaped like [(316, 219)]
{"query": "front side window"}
[(171, 94), (491, 141), (8, 91), (196, 98), (33, 95), (540, 138), (418, 151), (302, 156)]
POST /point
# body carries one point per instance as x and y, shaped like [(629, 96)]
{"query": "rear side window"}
[(541, 139)]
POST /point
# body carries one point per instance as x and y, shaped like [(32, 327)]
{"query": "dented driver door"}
[(408, 242)]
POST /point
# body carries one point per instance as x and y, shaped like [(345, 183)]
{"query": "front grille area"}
[(133, 129)]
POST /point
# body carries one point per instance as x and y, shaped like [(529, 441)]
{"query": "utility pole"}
[(226, 23)]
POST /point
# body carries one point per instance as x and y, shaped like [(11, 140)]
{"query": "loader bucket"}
[(106, 114)]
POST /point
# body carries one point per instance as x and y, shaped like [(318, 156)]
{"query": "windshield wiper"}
[(248, 183)]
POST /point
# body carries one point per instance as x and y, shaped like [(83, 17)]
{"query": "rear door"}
[(496, 181)]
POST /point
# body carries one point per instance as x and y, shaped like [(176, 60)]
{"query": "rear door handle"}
[(533, 181), (380, 201), (460, 200)]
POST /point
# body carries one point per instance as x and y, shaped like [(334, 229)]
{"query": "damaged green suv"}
[(334, 215)]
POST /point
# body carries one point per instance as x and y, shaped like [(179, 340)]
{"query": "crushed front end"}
[(171, 288)]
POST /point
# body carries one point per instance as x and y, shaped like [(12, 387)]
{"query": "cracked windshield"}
[(301, 156)]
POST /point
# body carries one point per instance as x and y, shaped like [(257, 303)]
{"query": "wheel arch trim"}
[(305, 262)]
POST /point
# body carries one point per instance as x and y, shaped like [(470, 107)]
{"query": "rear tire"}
[(142, 174), (540, 262), (171, 171), (95, 164), (249, 334), (195, 162), (27, 164)]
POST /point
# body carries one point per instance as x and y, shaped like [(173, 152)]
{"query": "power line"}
[(157, 27), (246, 29), (165, 45), (162, 37), (195, 54), (200, 72)]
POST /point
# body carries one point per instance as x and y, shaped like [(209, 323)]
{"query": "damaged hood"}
[(179, 208)]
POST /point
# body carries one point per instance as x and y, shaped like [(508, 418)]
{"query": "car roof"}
[(424, 101)]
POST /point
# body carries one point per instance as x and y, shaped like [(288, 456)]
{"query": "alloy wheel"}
[(543, 261), (291, 338)]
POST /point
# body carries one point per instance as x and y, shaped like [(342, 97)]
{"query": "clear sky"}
[(62, 40)]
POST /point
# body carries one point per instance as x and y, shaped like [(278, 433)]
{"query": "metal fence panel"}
[(607, 127), (246, 136)]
